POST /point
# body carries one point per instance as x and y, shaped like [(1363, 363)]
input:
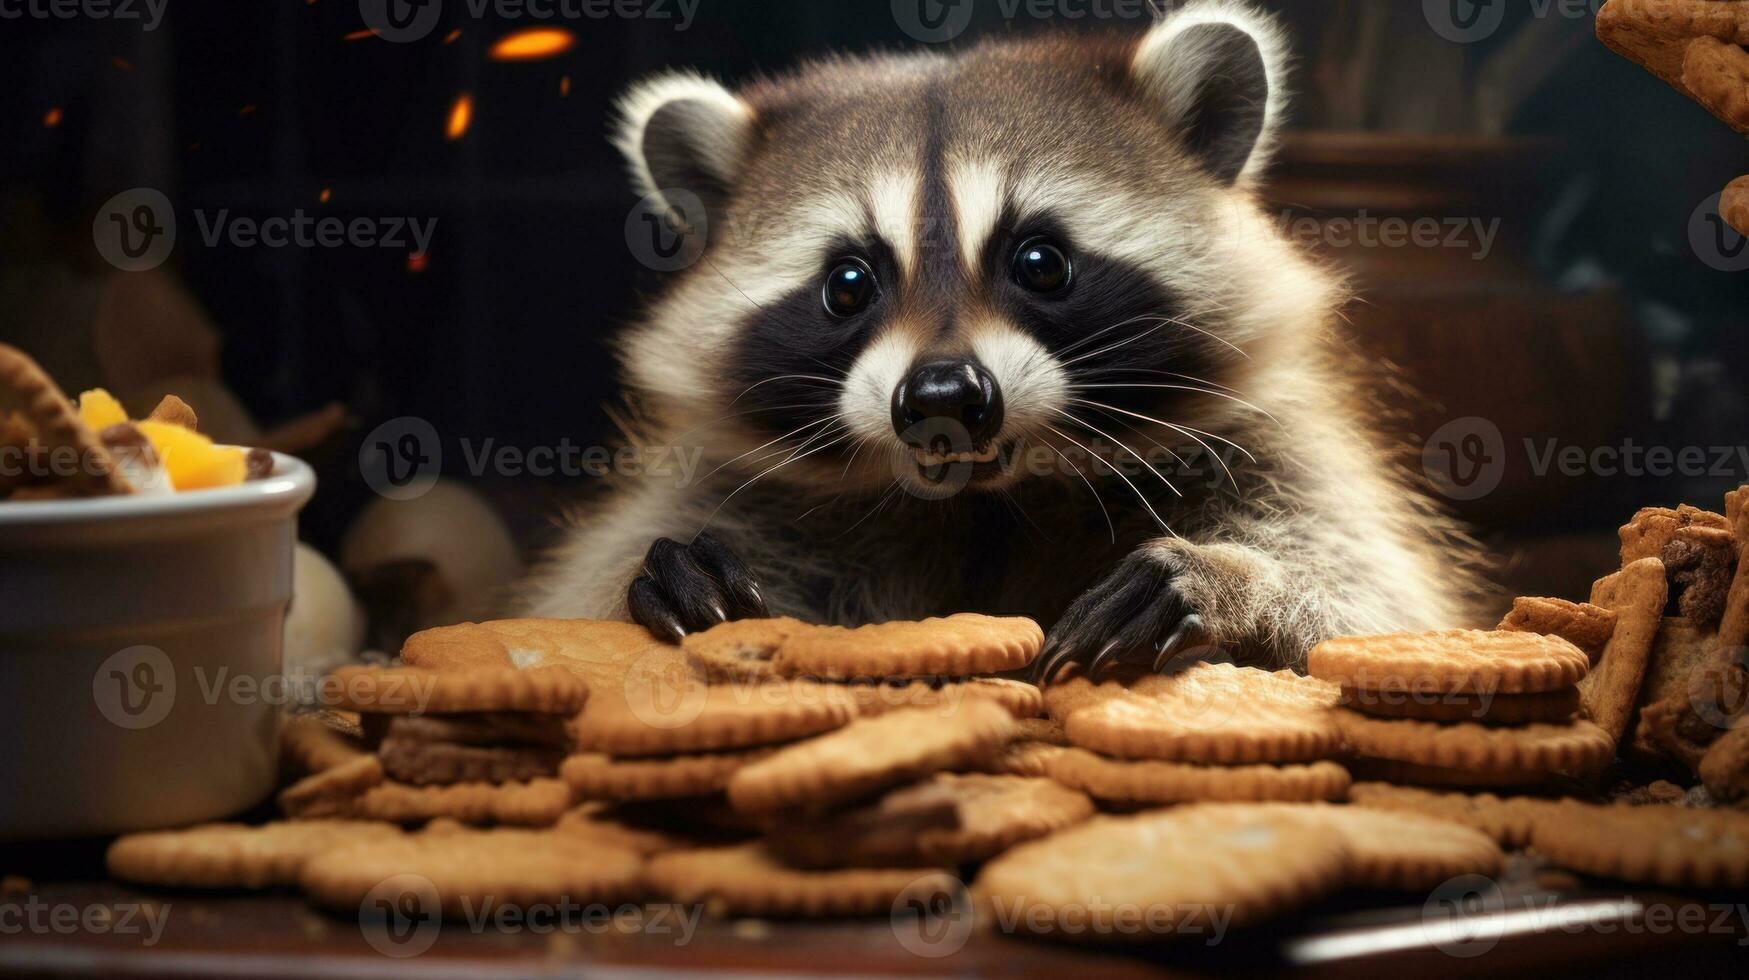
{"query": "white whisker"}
[(1139, 494)]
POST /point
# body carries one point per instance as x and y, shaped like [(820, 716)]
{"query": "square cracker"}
[(1637, 595)]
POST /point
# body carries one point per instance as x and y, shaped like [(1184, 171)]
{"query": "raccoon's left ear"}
[(1217, 70), (683, 132)]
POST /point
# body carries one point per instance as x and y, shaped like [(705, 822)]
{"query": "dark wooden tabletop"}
[(60, 917)]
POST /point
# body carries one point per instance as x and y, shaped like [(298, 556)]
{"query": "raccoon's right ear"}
[(1217, 70), (683, 132)]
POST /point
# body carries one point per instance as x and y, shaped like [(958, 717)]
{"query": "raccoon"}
[(1004, 330)]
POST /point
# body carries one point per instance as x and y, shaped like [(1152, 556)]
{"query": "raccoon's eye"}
[(1042, 267), (850, 286)]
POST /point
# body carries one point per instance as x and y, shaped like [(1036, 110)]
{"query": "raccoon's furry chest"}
[(874, 558)]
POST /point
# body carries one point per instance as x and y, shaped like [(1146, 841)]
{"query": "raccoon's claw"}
[(689, 588), (1135, 615)]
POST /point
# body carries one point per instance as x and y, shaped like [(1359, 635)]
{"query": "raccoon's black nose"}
[(954, 391)]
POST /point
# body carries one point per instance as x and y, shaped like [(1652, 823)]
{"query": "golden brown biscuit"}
[(602, 777), (67, 457), (1580, 623), (1577, 747), (536, 803), (1506, 819), (316, 742), (1656, 33), (1405, 851), (172, 410), (1450, 662), (1023, 700), (331, 792), (961, 645), (747, 881), (1163, 873), (1653, 528), (228, 855), (871, 754), (700, 718), (1725, 767), (1657, 845), (1211, 714), (1500, 709), (602, 823), (740, 649), (1154, 782), (413, 690), (474, 872), (1636, 594), (1734, 205), (1716, 74), (607, 656)]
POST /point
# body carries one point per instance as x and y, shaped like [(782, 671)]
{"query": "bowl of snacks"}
[(145, 573)]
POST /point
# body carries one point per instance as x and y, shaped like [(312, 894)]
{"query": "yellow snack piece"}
[(99, 410), (192, 460)]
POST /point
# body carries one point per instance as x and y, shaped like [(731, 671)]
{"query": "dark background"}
[(258, 106)]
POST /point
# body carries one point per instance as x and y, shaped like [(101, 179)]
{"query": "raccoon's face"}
[(1027, 260)]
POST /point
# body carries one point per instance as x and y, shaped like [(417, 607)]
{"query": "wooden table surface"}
[(60, 917)]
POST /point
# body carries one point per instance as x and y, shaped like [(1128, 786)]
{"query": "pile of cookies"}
[(1208, 732), (1697, 47), (1462, 707), (776, 769)]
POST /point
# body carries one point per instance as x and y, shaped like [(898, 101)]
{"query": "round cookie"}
[(604, 655), (1156, 782), (713, 718), (1450, 662), (1210, 714), (1023, 700), (414, 690), (1577, 747), (870, 754), (228, 855), (1409, 851), (536, 803), (1674, 847), (954, 646), (331, 792), (1158, 874), (1508, 820), (747, 881), (602, 777), (471, 870), (1551, 707), (740, 649), (315, 742)]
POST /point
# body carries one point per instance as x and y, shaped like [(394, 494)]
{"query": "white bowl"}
[(140, 644)]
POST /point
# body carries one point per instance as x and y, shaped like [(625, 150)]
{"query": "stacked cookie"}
[(1463, 707), (885, 666), (1209, 732), (477, 746)]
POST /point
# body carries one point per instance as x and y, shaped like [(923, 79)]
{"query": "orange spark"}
[(359, 35), (122, 63), (461, 116), (564, 85), (532, 44), (326, 195), (450, 38), (52, 118), (416, 262), (248, 110)]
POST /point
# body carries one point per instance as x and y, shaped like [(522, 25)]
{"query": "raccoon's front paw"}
[(692, 587), (1137, 614)]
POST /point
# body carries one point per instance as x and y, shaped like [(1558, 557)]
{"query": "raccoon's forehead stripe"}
[(978, 190), (892, 212)]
